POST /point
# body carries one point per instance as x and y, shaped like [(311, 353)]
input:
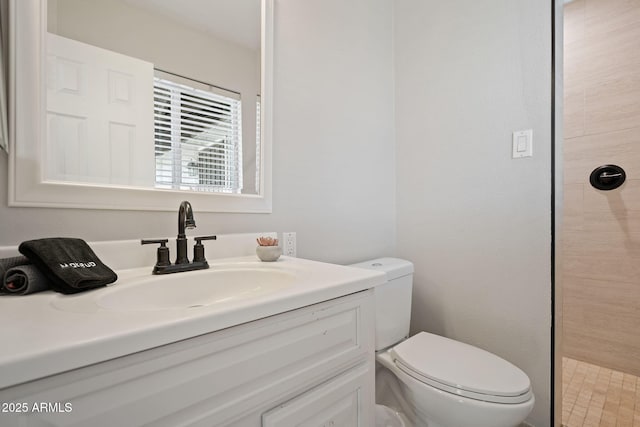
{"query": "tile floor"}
[(593, 396)]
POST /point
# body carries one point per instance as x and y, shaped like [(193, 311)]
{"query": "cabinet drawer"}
[(336, 403), (212, 379)]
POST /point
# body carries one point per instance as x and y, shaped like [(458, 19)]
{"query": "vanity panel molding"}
[(337, 402), (248, 375)]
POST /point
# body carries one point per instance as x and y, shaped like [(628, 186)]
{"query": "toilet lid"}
[(461, 369)]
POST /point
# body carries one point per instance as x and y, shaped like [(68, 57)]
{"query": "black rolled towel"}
[(24, 279), (69, 263), (7, 263)]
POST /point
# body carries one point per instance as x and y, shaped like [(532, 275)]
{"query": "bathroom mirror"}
[(139, 104)]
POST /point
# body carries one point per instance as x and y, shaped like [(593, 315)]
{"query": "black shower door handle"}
[(607, 177)]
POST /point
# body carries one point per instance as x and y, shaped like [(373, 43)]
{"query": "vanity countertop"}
[(48, 333)]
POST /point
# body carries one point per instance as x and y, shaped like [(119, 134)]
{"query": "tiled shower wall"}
[(601, 272)]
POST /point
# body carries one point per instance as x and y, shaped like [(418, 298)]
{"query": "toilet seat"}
[(461, 369)]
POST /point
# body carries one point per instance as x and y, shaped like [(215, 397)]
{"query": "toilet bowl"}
[(433, 381), (457, 389)]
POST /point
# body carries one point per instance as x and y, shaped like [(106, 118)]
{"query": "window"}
[(198, 136)]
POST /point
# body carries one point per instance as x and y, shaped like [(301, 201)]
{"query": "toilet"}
[(431, 381)]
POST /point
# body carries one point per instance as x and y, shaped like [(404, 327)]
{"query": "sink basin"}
[(189, 290), (195, 289)]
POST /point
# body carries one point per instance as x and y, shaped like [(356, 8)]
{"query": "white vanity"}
[(244, 343)]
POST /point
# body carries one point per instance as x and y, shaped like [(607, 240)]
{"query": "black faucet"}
[(185, 220), (163, 265)]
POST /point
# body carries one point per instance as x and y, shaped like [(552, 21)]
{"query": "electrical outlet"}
[(289, 243)]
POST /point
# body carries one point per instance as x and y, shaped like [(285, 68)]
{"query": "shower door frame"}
[(557, 24)]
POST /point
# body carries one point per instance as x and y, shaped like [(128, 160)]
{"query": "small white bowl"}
[(268, 253)]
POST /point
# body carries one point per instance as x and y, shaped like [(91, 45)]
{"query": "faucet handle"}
[(162, 257), (162, 242), (198, 248)]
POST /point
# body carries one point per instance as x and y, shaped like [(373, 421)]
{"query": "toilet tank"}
[(392, 300)]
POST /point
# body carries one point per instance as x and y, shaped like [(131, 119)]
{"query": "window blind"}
[(198, 134)]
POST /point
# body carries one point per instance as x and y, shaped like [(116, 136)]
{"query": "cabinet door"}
[(339, 402)]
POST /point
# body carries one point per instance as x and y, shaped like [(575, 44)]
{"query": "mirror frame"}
[(27, 132)]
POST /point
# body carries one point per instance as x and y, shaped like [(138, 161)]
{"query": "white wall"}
[(475, 222), (334, 168)]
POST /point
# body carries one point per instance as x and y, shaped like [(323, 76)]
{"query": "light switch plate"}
[(523, 143)]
